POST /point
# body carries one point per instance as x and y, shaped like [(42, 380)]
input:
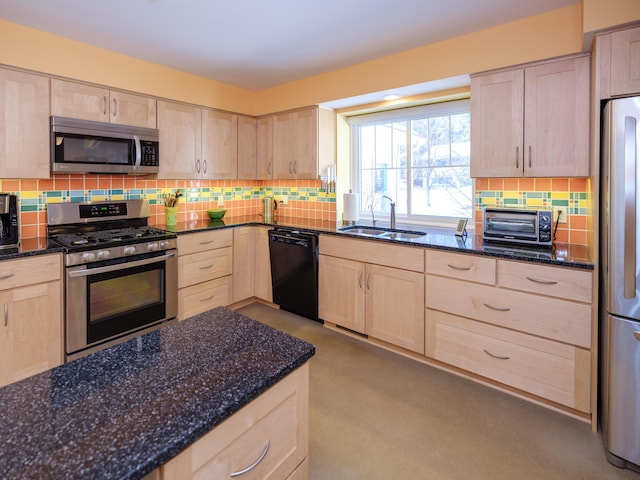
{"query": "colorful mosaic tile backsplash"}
[(572, 194), (304, 197)]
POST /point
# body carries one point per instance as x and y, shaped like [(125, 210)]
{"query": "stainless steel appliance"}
[(121, 276), (620, 282), (9, 224), (517, 225), (294, 271), (82, 146)]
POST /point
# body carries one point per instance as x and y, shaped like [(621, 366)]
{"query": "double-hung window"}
[(418, 157)]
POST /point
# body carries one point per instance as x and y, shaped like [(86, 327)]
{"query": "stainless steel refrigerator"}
[(620, 282)]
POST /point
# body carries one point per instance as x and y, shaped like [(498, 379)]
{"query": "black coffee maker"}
[(9, 228)]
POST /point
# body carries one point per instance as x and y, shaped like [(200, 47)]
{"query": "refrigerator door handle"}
[(630, 182)]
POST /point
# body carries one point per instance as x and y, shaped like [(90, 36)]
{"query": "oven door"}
[(110, 301)]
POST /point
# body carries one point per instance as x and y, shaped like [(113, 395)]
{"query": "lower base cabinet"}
[(267, 439)]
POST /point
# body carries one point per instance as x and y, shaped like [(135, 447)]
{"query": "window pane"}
[(442, 191)]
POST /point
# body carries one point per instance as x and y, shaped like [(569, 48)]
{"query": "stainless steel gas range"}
[(121, 275)]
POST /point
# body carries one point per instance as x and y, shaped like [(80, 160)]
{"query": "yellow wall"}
[(602, 14)]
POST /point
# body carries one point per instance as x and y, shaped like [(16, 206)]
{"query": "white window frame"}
[(403, 114)]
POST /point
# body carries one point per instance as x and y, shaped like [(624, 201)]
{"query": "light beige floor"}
[(377, 415)]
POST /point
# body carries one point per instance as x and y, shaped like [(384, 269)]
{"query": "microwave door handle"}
[(136, 140)]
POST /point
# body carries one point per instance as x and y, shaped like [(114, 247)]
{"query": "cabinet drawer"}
[(371, 251), (464, 267), (28, 271), (544, 368), (201, 241), (203, 266), (277, 419), (204, 296), (552, 318), (558, 282)]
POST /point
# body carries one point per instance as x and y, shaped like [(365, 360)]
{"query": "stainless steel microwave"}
[(83, 146), (517, 225)]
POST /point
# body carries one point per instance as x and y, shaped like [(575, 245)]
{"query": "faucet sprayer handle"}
[(390, 199)]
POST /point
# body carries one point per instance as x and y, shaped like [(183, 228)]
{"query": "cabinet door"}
[(342, 292), (129, 109), (556, 128), (247, 147), (625, 62), (180, 137), (395, 306), (24, 125), (264, 154), (284, 145), (76, 100), (243, 263), (262, 284), (305, 162), (30, 331), (219, 145), (497, 118)]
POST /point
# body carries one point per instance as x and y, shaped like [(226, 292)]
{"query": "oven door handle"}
[(112, 268)]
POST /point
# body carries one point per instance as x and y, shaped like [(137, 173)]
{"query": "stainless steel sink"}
[(383, 233), (401, 235), (363, 231)]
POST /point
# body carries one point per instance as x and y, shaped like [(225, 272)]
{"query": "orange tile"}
[(61, 182), (559, 184), (44, 185), (29, 218), (496, 184), (578, 237), (76, 183), (29, 231), (526, 185), (578, 184), (11, 185), (562, 235), (28, 185), (511, 184), (542, 184), (577, 222), (91, 182)]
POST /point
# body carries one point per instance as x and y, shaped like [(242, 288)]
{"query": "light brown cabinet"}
[(303, 143), (524, 325), (373, 288), (531, 121), (247, 148), (262, 267), (90, 102), (618, 57), (205, 267), (267, 439), (30, 317), (24, 125), (244, 244), (264, 145), (197, 143)]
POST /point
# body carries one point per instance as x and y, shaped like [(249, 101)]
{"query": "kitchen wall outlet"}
[(562, 211), (284, 199), (221, 201)]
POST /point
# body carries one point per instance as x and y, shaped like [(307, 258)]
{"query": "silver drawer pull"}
[(6, 314), (544, 282), (254, 464), (6, 275), (207, 242), (206, 299), (455, 267), (206, 266), (360, 279), (499, 357), (499, 309)]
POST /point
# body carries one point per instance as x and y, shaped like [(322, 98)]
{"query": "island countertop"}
[(123, 412)]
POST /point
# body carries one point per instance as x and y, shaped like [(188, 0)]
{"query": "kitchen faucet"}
[(392, 219), (373, 217)]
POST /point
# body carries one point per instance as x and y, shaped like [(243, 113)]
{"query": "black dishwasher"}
[(294, 271)]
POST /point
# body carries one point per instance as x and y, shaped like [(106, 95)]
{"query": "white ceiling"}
[(257, 44)]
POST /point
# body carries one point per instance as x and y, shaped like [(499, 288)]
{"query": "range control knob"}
[(129, 250), (152, 246), (164, 244), (88, 257), (103, 254)]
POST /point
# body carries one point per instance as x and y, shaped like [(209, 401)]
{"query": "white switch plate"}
[(563, 214), (221, 201), (284, 199)]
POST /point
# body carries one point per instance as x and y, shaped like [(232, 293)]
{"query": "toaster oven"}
[(517, 225)]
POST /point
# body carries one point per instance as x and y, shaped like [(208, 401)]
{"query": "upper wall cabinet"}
[(619, 62), (303, 143), (88, 102), (24, 125), (264, 144), (531, 121), (219, 145), (247, 147)]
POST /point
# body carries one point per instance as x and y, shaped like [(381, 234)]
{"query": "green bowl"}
[(216, 213)]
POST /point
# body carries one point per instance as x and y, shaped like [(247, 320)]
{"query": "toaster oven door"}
[(511, 226)]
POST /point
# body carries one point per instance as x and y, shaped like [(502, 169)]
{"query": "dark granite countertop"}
[(122, 412), (561, 254), (29, 247)]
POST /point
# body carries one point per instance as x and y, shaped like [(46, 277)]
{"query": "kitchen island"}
[(125, 411)]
